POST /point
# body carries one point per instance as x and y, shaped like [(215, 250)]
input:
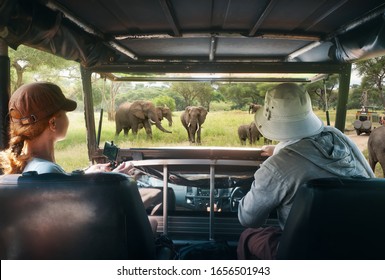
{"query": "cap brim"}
[(288, 130), (69, 105)]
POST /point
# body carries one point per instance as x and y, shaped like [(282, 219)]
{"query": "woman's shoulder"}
[(43, 166)]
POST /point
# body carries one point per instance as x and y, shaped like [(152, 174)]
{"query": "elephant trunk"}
[(194, 124), (161, 128)]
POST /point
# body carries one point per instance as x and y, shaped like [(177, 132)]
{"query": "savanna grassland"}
[(219, 129)]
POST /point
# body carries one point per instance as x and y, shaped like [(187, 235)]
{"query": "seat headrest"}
[(60, 216), (336, 218)]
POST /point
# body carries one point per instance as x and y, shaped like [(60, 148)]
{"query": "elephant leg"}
[(191, 135), (135, 131), (199, 136), (242, 138), (118, 130), (372, 163), (194, 139), (147, 127), (135, 128), (125, 131), (188, 135), (372, 159)]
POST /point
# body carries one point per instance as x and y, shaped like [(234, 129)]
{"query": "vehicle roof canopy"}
[(179, 36)]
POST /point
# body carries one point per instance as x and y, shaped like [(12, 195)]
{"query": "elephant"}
[(192, 119), (376, 148), (140, 113), (248, 132), (254, 107), (164, 112)]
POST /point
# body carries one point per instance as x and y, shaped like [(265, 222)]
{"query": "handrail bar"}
[(210, 162)]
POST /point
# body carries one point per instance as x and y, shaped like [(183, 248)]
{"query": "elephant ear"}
[(159, 112), (137, 111), (202, 115)]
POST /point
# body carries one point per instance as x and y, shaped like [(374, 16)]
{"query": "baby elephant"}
[(248, 132)]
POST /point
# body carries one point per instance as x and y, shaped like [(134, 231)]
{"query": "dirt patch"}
[(360, 140)]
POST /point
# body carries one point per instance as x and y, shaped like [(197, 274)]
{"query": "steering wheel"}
[(235, 197)]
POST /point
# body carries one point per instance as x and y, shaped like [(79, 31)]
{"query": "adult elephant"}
[(192, 119), (136, 114), (376, 148)]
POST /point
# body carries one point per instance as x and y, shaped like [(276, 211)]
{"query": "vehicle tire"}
[(358, 131), (357, 124), (367, 125)]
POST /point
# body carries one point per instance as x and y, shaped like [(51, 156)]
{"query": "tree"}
[(242, 94), (317, 92), (130, 94), (236, 94), (114, 89), (25, 58), (165, 101), (206, 95), (194, 93), (373, 75)]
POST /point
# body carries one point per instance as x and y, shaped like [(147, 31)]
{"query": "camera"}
[(111, 151)]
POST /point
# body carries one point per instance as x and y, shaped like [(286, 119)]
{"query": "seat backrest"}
[(58, 216), (336, 218)]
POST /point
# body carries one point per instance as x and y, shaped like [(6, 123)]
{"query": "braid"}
[(16, 145), (13, 160)]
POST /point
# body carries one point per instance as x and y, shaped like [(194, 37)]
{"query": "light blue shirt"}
[(43, 166), (328, 154)]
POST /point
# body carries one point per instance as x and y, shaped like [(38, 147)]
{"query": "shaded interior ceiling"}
[(200, 36)]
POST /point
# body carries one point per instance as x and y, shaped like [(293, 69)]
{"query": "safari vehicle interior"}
[(299, 41)]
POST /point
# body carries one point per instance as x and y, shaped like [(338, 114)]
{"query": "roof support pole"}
[(212, 202), (165, 199), (89, 112), (343, 94), (5, 89)]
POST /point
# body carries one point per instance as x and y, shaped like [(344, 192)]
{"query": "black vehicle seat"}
[(336, 218), (58, 216)]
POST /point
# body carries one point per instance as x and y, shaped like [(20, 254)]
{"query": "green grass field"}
[(220, 129)]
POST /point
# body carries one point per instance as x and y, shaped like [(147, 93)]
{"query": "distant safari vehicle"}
[(365, 120)]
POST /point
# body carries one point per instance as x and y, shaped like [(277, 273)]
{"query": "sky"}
[(355, 78)]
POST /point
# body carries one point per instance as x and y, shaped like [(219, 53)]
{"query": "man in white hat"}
[(306, 150)]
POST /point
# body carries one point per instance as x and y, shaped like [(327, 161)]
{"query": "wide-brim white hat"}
[(287, 114)]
